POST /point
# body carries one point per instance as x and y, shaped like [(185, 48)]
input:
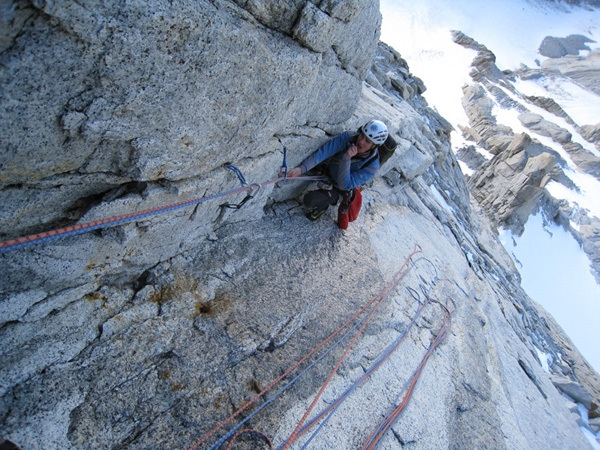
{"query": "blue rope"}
[(387, 291), (284, 388), (342, 398), (392, 408), (444, 330)]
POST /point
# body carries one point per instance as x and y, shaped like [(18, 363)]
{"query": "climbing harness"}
[(26, 241)]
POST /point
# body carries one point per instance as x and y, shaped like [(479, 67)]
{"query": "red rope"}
[(387, 423), (403, 269), (253, 433), (296, 433), (331, 407), (382, 296)]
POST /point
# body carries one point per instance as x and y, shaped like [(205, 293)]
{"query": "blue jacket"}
[(347, 173)]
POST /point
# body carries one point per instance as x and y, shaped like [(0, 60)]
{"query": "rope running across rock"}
[(392, 417), (26, 241), (370, 308), (400, 274)]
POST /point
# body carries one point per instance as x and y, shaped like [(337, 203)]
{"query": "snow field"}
[(513, 31)]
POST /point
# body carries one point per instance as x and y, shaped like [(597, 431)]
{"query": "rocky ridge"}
[(148, 334), (511, 183)]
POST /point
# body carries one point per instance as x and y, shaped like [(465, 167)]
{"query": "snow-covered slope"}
[(513, 31)]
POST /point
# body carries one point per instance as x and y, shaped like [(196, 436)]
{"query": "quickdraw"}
[(254, 189), (80, 228)]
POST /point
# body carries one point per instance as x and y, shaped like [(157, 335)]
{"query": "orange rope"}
[(398, 276), (253, 433), (387, 423)]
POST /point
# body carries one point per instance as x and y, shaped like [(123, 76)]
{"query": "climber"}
[(350, 160)]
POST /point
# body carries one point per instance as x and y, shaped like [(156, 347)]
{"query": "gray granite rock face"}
[(583, 70), (556, 47), (149, 334), (94, 100)]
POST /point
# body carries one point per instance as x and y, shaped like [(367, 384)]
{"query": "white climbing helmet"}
[(376, 131)]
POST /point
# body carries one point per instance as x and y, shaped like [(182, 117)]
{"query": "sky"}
[(513, 31)]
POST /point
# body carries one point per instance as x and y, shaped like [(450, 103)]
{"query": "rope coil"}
[(392, 417), (374, 439)]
